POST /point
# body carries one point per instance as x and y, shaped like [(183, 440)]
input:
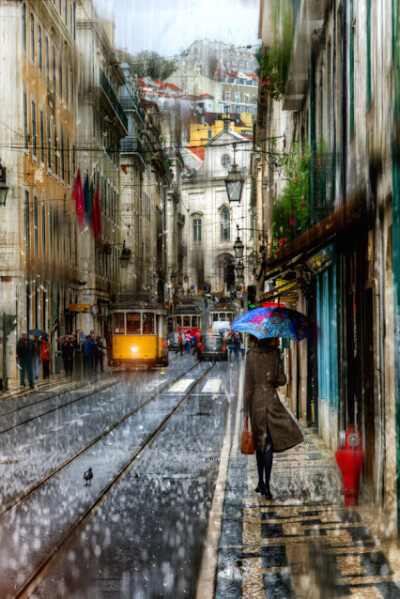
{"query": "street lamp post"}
[(124, 256)]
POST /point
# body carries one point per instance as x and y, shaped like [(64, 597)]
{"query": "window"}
[(133, 323), (60, 75), (55, 152), (74, 22), (40, 48), (246, 99), (47, 58), (209, 133), (34, 132), (41, 133), (253, 226), (225, 224), (197, 229), (225, 160), (36, 223), (237, 96), (53, 52), (26, 130), (227, 96), (66, 12), (227, 109), (27, 225), (148, 323), (68, 164), (119, 323), (62, 156), (24, 25), (32, 38), (71, 20), (66, 84), (48, 143), (44, 228), (60, 6), (72, 90)]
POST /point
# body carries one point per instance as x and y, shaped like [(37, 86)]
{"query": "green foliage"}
[(291, 210), (150, 64), (274, 65)]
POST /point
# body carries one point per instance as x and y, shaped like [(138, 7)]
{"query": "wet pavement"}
[(304, 543)]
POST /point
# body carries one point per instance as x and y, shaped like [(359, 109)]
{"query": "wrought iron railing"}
[(130, 103), (108, 90)]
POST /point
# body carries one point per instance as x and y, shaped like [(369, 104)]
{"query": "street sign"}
[(80, 337), (79, 307)]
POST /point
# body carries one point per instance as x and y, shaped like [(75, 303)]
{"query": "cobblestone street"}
[(304, 543)]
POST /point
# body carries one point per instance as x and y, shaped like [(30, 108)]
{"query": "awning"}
[(315, 238), (287, 291)]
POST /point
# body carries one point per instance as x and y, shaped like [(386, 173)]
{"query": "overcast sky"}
[(169, 26)]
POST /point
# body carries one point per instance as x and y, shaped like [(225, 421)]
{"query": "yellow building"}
[(38, 136), (202, 133)]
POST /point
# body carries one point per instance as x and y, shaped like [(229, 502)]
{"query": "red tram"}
[(187, 318)]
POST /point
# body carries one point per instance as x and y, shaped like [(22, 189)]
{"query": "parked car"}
[(173, 342), (211, 347)]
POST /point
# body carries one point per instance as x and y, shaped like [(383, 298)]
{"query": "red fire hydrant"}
[(351, 462)]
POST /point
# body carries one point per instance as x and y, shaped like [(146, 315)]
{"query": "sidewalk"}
[(304, 543)]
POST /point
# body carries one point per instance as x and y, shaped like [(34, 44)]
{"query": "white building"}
[(211, 221)]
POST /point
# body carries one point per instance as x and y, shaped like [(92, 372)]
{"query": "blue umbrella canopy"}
[(275, 322)]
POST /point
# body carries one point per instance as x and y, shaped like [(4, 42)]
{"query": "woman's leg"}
[(267, 459), (260, 469)]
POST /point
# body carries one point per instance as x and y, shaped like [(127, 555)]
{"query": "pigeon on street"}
[(88, 476)]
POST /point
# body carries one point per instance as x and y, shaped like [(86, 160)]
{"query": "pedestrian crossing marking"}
[(212, 386), (181, 386)]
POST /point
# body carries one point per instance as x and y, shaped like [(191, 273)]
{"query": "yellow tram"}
[(139, 334)]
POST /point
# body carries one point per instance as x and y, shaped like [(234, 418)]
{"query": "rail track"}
[(46, 563)]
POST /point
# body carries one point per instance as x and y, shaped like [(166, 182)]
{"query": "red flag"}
[(77, 196), (97, 213)]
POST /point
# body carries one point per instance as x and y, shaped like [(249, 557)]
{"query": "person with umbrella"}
[(273, 428)]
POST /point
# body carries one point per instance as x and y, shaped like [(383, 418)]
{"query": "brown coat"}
[(264, 373)]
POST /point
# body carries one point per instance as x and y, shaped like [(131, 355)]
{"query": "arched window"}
[(197, 229), (225, 224)]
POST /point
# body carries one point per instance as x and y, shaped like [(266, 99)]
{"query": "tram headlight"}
[(133, 349)]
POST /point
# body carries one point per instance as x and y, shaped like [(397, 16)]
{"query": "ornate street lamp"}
[(239, 270), (124, 256), (3, 185), (234, 181), (238, 247)]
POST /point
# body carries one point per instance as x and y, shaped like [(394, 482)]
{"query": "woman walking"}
[(273, 428), (46, 356)]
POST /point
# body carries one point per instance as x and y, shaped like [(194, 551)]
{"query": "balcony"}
[(109, 92), (130, 103), (132, 145)]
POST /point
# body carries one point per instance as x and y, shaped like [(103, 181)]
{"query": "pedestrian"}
[(237, 339), (273, 428), (25, 355), (230, 343), (67, 354), (99, 354), (180, 341), (205, 303), (46, 350), (88, 349), (195, 342), (188, 342), (36, 356)]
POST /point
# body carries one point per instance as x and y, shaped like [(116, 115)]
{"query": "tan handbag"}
[(247, 443)]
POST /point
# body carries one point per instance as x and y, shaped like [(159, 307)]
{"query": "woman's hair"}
[(264, 343)]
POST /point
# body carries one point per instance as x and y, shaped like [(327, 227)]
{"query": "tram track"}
[(21, 496), (46, 564)]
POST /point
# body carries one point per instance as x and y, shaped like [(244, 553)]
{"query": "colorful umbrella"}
[(275, 322)]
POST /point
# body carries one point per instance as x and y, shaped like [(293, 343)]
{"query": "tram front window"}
[(148, 323), (194, 321), (215, 317), (133, 323), (186, 321), (178, 321), (119, 323)]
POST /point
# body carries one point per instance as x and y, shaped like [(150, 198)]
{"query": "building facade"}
[(38, 101), (329, 197)]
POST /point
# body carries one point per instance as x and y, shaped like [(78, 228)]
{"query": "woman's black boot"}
[(260, 469)]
